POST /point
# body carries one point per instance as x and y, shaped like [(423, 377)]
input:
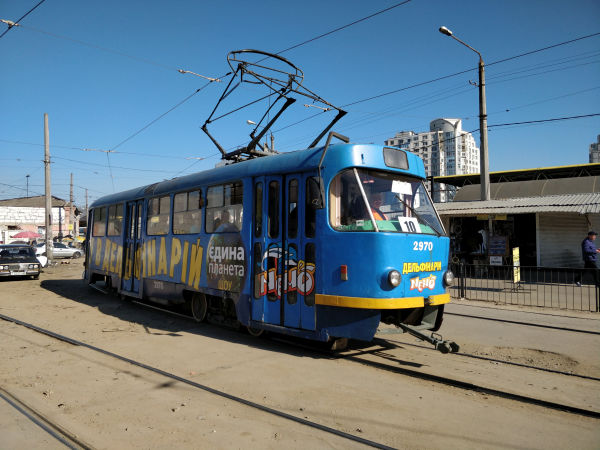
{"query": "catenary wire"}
[(21, 18), (469, 70), (342, 27)]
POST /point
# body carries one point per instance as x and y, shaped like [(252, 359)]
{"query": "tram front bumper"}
[(381, 303)]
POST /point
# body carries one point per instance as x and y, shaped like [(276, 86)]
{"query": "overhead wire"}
[(469, 70), (116, 52), (342, 27), (20, 18), (493, 78), (311, 40), (84, 149), (153, 122)]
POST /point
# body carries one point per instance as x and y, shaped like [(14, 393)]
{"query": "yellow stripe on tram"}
[(381, 303)]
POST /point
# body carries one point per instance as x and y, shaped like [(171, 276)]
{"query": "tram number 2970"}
[(422, 246)]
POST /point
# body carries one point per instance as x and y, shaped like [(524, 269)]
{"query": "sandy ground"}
[(109, 403)]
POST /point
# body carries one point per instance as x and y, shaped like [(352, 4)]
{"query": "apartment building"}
[(445, 150)]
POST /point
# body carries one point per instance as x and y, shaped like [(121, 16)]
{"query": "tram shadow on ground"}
[(162, 323)]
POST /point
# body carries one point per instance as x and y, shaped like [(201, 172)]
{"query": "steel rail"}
[(501, 361), (435, 378), (214, 391), (54, 430), (516, 322), (478, 388)]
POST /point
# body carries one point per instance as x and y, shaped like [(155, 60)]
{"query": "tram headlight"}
[(448, 278), (394, 278)]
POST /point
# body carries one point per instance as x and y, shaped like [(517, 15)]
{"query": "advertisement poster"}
[(516, 266)]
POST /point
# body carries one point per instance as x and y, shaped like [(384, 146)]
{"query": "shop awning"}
[(588, 203)]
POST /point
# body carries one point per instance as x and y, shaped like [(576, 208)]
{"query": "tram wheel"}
[(199, 307), (256, 332)]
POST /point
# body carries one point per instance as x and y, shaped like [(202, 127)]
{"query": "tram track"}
[(62, 435), (355, 357), (217, 392), (516, 322), (500, 361), (426, 376), (465, 385)]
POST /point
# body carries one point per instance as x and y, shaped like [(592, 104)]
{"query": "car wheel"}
[(76, 255)]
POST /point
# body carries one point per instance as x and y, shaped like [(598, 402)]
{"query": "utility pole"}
[(483, 137), (47, 192), (72, 210)]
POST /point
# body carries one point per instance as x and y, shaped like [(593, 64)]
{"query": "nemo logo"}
[(422, 283)]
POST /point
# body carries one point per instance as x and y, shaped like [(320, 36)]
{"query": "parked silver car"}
[(59, 250)]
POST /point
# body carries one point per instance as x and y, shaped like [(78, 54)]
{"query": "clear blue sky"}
[(97, 98)]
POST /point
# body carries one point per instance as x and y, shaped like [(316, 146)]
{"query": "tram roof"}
[(338, 156)]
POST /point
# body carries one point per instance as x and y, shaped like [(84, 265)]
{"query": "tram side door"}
[(131, 271), (298, 283), (280, 266), (266, 250)]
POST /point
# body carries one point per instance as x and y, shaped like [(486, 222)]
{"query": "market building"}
[(28, 214), (545, 212)]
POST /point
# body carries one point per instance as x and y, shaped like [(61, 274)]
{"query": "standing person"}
[(589, 254)]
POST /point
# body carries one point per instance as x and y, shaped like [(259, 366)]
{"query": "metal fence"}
[(564, 288)]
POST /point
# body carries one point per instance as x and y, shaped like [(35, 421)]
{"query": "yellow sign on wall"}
[(516, 266)]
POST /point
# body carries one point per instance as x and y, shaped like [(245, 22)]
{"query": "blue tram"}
[(323, 243)]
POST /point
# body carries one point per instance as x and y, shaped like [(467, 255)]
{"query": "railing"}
[(564, 288)]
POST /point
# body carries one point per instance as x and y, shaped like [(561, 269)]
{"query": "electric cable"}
[(162, 115), (21, 18), (342, 27), (468, 70)]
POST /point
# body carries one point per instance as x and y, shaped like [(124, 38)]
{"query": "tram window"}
[(258, 209), (290, 288), (224, 208), (187, 212), (131, 220), (159, 213), (273, 219), (312, 200), (99, 222), (371, 200), (115, 220), (258, 280), (293, 208), (310, 257), (395, 158)]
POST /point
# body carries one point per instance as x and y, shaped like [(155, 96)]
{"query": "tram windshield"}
[(372, 200)]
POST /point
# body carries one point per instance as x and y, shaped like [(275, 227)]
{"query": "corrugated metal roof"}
[(578, 170), (588, 203), (531, 188), (39, 201)]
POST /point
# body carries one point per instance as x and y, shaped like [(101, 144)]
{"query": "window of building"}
[(224, 208), (159, 215), (187, 212)]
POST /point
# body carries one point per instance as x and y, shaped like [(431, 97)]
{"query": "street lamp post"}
[(484, 159)]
